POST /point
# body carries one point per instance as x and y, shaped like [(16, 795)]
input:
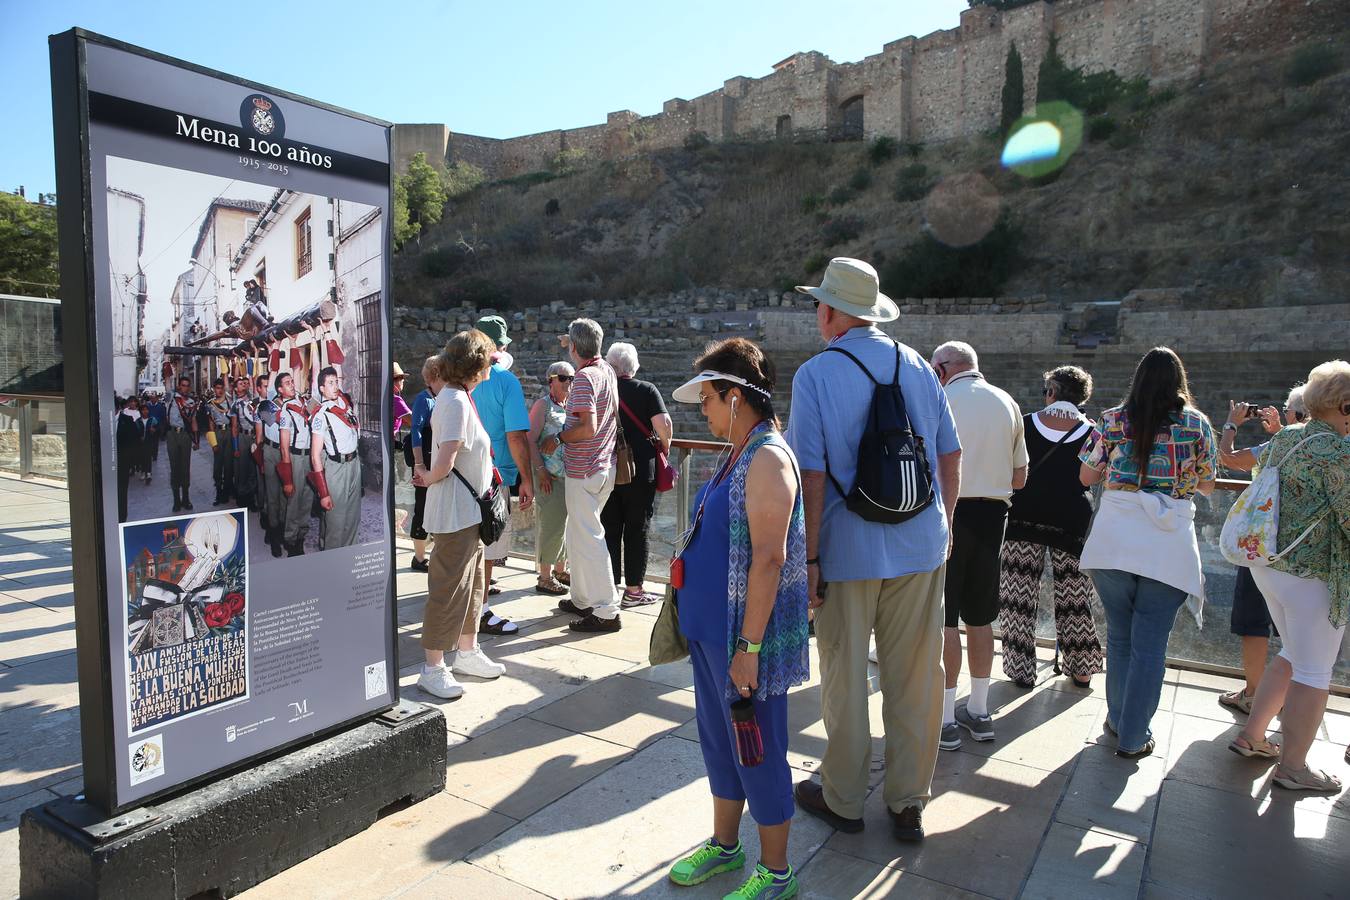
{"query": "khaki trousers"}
[(592, 580), (454, 589), (338, 526), (906, 614), (299, 505), (551, 517)]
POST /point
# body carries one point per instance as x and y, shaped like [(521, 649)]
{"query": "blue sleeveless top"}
[(703, 599)]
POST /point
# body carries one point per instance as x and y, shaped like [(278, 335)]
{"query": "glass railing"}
[(33, 437), (1211, 648)]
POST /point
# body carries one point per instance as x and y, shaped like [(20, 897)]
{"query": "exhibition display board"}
[(225, 288)]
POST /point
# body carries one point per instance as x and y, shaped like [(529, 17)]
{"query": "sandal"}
[(1247, 747), (1081, 684), (550, 587), (493, 590), (1306, 779), (563, 577), (493, 624), (1237, 700), (1146, 750)]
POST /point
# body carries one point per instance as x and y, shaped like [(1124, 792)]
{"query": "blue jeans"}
[(1139, 617)]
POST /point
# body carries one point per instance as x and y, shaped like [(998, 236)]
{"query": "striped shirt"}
[(593, 391)]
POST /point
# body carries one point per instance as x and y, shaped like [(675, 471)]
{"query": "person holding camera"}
[(1250, 618)]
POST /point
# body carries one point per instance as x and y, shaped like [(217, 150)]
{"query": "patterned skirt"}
[(1080, 651)]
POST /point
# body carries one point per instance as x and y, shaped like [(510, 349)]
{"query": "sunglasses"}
[(563, 378)]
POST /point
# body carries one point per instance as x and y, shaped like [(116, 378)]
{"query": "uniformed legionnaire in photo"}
[(293, 422), (274, 502), (243, 417), (181, 440), (222, 468), (336, 465)]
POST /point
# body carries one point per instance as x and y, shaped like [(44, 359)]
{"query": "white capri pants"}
[(1299, 608)]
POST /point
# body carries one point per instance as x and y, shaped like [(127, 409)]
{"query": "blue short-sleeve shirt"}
[(501, 405), (830, 400)]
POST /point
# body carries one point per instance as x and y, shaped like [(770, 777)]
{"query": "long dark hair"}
[(1157, 397)]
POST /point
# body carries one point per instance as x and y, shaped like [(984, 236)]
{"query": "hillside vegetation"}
[(1234, 186)]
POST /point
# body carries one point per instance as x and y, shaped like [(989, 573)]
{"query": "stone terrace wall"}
[(941, 86)]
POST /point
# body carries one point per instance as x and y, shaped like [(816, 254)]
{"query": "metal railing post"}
[(682, 501), (25, 438)]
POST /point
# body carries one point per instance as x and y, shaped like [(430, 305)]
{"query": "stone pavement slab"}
[(1112, 795), (1213, 843), (618, 835), (982, 809), (465, 880), (399, 851), (626, 711), (523, 766), (1074, 863), (831, 875)]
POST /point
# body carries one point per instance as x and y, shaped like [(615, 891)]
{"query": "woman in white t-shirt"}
[(461, 452)]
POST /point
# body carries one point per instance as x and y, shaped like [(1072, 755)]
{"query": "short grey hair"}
[(1294, 402), (957, 351), (586, 336), (560, 368), (623, 357)]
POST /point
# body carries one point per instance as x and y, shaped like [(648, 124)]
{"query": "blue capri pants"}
[(766, 787)]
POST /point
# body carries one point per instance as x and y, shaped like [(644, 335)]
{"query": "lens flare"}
[(1036, 142), (961, 209), (1042, 143)]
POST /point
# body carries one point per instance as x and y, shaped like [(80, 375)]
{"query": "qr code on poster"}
[(376, 685)]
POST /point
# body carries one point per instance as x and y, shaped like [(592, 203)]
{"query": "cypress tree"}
[(1013, 90)]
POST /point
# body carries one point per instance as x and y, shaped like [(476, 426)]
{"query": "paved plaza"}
[(578, 774)]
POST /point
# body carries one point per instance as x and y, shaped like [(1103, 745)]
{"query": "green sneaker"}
[(764, 885), (705, 862)]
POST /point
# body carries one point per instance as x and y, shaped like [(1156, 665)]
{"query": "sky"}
[(492, 69)]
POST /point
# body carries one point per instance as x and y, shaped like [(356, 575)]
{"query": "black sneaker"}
[(177, 506), (907, 825), (567, 606), (420, 565), (593, 623), (187, 504)]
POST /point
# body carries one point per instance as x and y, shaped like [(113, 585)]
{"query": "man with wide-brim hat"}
[(500, 403), (884, 579)]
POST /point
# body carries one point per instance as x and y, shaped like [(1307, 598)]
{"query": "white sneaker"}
[(476, 663), (440, 683)]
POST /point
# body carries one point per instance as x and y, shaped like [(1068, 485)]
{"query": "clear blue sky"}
[(495, 69)]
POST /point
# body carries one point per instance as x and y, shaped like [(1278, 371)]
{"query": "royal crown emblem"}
[(262, 116)]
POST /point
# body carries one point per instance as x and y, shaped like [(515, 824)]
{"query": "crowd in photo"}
[(290, 458), (909, 508)]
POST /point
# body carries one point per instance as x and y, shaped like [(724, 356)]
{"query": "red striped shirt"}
[(593, 390)]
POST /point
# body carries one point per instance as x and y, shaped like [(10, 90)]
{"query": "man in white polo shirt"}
[(993, 465)]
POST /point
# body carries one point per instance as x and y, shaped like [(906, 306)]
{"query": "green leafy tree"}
[(403, 230), (424, 197), (1013, 90), (1054, 79), (27, 247), (462, 178)]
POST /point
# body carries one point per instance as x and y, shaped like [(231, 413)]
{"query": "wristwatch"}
[(744, 646), (1229, 426)]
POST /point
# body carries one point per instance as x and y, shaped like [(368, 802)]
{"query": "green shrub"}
[(442, 262), (1101, 127), (1311, 63), (528, 180), (811, 203), (911, 183), (882, 150), (461, 178), (816, 263), (841, 229), (567, 162), (840, 195), (913, 149), (861, 180), (929, 268)]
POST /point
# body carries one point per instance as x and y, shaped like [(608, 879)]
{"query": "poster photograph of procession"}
[(247, 331), (187, 615)]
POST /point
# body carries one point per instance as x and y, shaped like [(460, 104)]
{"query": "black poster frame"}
[(70, 120)]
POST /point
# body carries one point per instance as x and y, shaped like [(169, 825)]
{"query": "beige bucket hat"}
[(852, 287)]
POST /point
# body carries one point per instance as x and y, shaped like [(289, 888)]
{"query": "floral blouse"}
[(1315, 482), (1184, 456)]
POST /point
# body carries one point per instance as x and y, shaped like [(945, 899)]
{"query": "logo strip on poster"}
[(265, 140)]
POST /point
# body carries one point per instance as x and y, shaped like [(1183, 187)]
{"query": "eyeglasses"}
[(704, 398)]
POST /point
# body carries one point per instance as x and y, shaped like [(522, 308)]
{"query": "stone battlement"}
[(934, 88)]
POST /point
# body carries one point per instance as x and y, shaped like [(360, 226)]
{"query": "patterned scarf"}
[(783, 659)]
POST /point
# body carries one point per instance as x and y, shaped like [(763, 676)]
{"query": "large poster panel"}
[(237, 251)]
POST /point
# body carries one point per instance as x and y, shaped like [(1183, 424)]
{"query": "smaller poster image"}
[(187, 615)]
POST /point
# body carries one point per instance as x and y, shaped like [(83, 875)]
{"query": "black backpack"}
[(894, 481)]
